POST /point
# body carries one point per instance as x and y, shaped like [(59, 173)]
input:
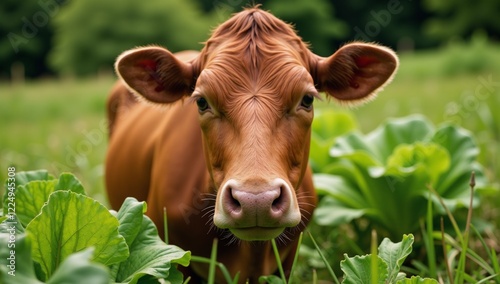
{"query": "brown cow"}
[(230, 161)]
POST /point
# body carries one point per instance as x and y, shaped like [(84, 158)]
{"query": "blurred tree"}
[(461, 18), (395, 23), (25, 35), (91, 33), (313, 19)]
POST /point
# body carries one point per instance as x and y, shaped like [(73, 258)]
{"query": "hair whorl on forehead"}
[(248, 32)]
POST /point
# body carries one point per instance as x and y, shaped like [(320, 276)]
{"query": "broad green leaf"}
[(398, 131), (357, 269), (20, 271), (31, 197), (429, 158), (27, 176), (78, 269), (71, 222), (418, 280), (353, 143), (319, 156), (332, 213), (22, 178), (328, 124), (149, 255), (463, 149), (68, 181), (394, 254), (130, 217), (340, 189)]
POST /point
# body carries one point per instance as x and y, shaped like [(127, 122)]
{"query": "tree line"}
[(82, 37)]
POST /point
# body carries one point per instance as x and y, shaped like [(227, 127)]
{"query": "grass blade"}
[(278, 260), (213, 262), (429, 240), (445, 253), (330, 270), (290, 279)]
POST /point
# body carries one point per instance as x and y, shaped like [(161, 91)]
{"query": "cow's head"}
[(254, 84)]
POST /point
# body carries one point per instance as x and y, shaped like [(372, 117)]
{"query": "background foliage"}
[(83, 37)]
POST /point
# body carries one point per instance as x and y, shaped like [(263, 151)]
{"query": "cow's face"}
[(255, 102), (256, 136)]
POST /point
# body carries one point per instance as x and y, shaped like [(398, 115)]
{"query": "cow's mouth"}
[(257, 233)]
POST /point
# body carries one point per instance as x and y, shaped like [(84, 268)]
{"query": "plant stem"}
[(165, 227), (445, 253), (374, 258)]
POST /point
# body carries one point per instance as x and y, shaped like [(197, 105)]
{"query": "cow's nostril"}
[(279, 202), (232, 201)]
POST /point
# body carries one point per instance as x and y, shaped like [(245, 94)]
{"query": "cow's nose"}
[(256, 205)]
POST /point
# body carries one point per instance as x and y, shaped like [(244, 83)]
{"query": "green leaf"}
[(357, 269), (428, 159), (68, 181), (149, 255), (328, 124), (31, 197), (20, 270), (130, 217), (417, 280), (394, 254), (332, 213), (78, 269), (22, 178), (395, 132), (71, 222)]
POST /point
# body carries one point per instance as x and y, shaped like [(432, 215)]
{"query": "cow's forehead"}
[(254, 56), (254, 39)]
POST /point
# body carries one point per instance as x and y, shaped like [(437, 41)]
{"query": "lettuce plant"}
[(390, 258), (385, 175), (59, 235)]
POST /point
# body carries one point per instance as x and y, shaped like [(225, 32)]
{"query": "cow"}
[(220, 137)]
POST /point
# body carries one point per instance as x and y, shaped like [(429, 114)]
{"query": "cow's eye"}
[(202, 104), (307, 101)]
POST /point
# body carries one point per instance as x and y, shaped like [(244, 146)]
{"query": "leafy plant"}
[(326, 127), (59, 235), (382, 267), (384, 175)]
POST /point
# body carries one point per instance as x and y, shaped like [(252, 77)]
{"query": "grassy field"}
[(60, 125)]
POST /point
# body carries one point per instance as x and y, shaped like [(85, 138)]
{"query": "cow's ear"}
[(356, 72), (155, 74)]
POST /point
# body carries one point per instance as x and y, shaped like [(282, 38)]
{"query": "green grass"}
[(59, 125)]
